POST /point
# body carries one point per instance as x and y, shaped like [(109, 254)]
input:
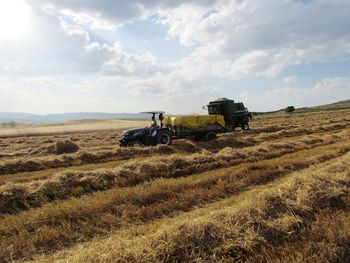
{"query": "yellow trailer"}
[(195, 121), (197, 126)]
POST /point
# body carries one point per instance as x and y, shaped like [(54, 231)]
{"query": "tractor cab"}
[(154, 115)]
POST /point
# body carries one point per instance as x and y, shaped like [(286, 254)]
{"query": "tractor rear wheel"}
[(209, 136), (163, 138)]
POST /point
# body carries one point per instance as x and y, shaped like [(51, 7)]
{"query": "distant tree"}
[(290, 110)]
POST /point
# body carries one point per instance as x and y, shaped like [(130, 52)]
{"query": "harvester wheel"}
[(245, 126), (209, 136), (164, 138), (233, 125), (135, 144)]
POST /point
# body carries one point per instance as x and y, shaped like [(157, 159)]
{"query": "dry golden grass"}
[(276, 193), (304, 219), (28, 164), (85, 217), (65, 185), (73, 127), (65, 160)]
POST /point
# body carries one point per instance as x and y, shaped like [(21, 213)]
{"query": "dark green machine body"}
[(235, 114)]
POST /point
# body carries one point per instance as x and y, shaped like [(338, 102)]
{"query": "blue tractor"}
[(148, 136)]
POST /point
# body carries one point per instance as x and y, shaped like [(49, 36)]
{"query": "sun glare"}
[(14, 19)]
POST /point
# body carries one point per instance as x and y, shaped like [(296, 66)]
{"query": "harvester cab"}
[(235, 114), (147, 136)]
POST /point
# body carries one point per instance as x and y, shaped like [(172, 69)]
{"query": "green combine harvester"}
[(235, 114), (224, 115)]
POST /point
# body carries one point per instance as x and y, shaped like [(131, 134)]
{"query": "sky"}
[(61, 56)]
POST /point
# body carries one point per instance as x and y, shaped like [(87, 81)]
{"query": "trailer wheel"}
[(245, 126), (209, 136), (136, 144), (163, 138)]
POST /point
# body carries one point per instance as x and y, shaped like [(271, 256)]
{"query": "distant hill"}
[(344, 104), (20, 117), (64, 117)]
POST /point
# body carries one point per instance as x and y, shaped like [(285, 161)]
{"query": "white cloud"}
[(100, 93), (74, 30), (232, 39), (130, 64), (106, 14), (339, 84), (290, 79), (111, 14), (94, 22), (261, 38), (68, 52), (61, 46)]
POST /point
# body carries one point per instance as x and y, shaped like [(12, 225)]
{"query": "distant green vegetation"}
[(289, 110)]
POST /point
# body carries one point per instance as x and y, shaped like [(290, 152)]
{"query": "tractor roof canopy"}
[(153, 112)]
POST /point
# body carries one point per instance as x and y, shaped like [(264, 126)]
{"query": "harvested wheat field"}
[(279, 192), (69, 127)]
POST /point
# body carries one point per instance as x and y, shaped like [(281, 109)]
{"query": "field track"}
[(278, 192)]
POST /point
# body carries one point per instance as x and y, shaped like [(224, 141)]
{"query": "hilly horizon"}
[(338, 104), (23, 117), (63, 117)]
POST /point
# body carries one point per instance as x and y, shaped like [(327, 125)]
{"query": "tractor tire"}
[(245, 126), (136, 144), (209, 136), (163, 138)]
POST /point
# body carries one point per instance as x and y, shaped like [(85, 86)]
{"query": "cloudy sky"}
[(173, 55)]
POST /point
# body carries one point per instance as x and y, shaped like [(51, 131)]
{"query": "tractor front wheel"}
[(135, 144)]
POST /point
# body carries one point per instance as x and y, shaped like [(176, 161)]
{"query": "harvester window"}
[(239, 106), (214, 109)]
